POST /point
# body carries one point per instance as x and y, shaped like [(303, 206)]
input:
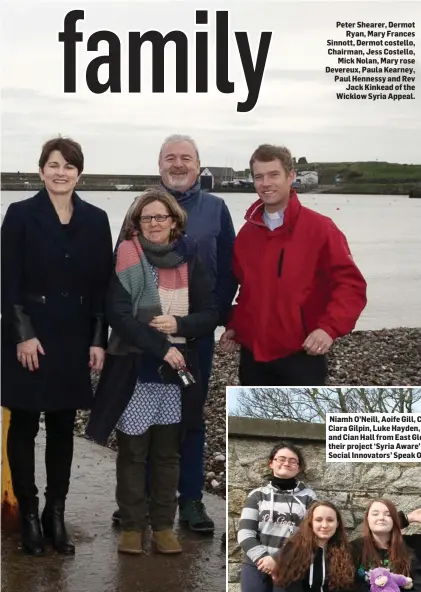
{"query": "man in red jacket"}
[(299, 286)]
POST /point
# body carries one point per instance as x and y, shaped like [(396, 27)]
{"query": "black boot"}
[(30, 532), (55, 529)]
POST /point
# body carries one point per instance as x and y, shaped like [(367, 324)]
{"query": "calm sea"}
[(383, 232)]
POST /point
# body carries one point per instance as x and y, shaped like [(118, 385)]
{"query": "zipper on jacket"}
[(280, 262)]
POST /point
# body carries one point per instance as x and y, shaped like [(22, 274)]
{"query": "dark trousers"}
[(253, 580), (299, 369), (24, 426), (160, 444), (192, 476)]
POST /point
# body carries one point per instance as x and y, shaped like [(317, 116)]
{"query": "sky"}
[(232, 400), (122, 133)]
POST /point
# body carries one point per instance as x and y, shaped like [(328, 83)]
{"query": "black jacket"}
[(53, 282), (121, 369), (413, 542)]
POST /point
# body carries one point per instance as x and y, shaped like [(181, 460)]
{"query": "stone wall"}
[(348, 485)]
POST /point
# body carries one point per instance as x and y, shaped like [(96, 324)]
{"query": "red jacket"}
[(294, 279)]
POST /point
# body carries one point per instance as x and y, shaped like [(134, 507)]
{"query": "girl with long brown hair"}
[(383, 544), (317, 556)]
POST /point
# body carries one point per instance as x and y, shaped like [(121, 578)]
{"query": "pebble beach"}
[(390, 357)]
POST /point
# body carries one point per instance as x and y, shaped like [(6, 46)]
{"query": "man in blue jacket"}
[(210, 223)]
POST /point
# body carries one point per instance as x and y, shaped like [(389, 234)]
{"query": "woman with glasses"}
[(271, 514), (159, 301)]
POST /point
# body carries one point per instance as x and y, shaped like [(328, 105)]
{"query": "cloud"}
[(297, 104)]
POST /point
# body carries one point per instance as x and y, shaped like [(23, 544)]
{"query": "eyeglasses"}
[(283, 460), (157, 218)]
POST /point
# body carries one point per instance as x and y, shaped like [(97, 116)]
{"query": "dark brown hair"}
[(296, 555), (293, 449), (268, 152), (70, 150), (132, 221), (398, 552)]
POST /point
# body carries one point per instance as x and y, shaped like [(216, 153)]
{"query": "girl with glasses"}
[(271, 514)]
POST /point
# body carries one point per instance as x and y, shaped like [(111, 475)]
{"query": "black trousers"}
[(299, 369), (24, 426)]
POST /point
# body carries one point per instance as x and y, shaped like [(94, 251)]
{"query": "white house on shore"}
[(307, 178)]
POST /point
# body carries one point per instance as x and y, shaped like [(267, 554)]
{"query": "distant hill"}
[(365, 172), (366, 177)]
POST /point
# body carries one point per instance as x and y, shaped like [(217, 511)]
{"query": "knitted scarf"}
[(133, 268), (184, 197)]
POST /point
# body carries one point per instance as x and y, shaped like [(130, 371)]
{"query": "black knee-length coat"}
[(53, 281)]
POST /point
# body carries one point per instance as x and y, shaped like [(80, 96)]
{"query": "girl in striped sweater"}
[(271, 514)]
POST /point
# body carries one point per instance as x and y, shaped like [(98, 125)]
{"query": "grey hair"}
[(179, 138)]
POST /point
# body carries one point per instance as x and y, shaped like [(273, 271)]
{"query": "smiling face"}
[(285, 464), (60, 177), (272, 184), (379, 519), (325, 523), (157, 232), (179, 166)]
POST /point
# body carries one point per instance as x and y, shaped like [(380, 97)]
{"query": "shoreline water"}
[(392, 190), (388, 357)]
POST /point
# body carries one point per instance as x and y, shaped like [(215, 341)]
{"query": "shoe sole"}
[(49, 540), (166, 552), (195, 529), (130, 551), (32, 554)]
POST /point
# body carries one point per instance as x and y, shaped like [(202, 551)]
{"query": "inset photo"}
[(298, 519)]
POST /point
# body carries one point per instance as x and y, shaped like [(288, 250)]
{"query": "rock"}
[(214, 483), (234, 571), (219, 458), (389, 357)]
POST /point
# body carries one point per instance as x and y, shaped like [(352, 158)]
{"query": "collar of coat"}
[(255, 212)]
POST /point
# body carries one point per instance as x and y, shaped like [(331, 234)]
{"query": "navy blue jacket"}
[(209, 222)]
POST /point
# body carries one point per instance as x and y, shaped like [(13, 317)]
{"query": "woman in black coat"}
[(159, 301), (56, 264)]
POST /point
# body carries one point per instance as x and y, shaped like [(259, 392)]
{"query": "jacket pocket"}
[(303, 321)]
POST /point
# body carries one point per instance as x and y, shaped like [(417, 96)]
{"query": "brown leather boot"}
[(165, 541), (130, 542)]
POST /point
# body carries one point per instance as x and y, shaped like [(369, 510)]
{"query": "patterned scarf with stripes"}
[(135, 259)]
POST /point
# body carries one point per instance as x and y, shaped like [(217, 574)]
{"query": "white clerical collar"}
[(274, 215)]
